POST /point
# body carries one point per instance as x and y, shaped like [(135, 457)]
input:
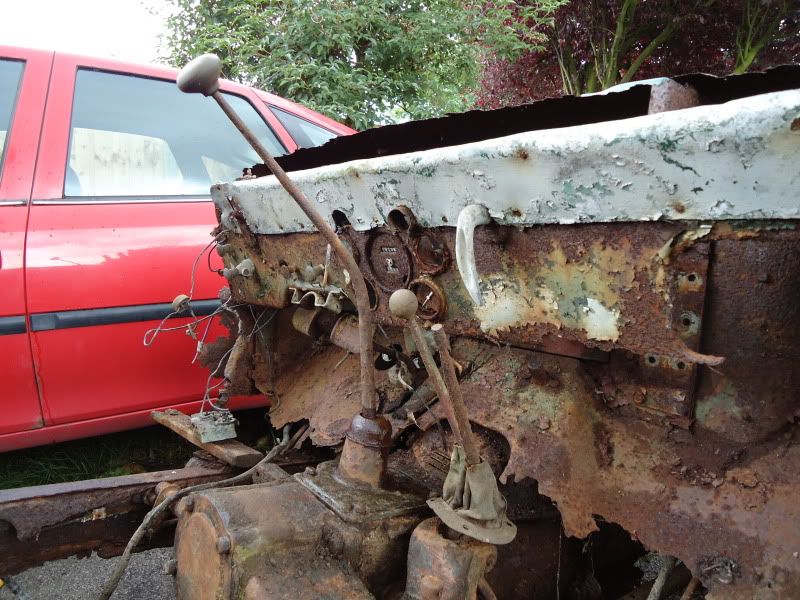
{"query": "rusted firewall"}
[(594, 430), (601, 286), (636, 340)]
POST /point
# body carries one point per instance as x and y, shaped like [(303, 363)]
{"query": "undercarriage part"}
[(299, 547), (365, 450), (444, 568), (55, 521), (661, 579), (155, 517)]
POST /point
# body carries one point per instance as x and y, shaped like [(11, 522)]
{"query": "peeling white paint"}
[(737, 160), (504, 306), (599, 322)]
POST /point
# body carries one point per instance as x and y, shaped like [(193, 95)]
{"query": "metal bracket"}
[(327, 297), (468, 219)]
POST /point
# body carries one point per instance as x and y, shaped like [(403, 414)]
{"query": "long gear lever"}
[(471, 503), (201, 76), (363, 457)]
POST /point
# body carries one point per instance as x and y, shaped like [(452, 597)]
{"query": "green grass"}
[(150, 449)]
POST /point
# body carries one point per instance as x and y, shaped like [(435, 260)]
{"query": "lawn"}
[(150, 449)]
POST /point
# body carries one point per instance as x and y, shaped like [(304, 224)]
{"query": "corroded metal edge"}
[(710, 162)]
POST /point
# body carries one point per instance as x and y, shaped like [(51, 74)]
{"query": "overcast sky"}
[(123, 29)]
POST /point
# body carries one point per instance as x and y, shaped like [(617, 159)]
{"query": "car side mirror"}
[(201, 75)]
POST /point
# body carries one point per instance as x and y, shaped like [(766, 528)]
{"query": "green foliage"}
[(594, 44), (124, 453), (761, 21), (363, 62)]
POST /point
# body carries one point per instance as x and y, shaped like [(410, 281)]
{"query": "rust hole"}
[(652, 359), (340, 219), (681, 365), (686, 321), (398, 220), (692, 277)]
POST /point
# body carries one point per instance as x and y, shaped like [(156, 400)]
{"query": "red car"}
[(104, 207)]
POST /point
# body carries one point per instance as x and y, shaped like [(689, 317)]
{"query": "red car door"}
[(23, 88), (120, 213)]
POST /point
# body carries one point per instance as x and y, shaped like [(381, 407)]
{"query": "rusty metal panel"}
[(625, 325)]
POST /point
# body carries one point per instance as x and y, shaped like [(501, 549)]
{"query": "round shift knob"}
[(403, 304), (201, 76)]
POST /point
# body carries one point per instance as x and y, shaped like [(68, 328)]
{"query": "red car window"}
[(135, 136), (10, 76)]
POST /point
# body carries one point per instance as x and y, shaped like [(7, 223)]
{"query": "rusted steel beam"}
[(54, 521), (107, 537), (231, 452)]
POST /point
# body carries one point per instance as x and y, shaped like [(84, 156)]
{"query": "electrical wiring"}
[(151, 334)]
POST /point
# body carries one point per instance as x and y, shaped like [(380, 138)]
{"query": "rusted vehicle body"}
[(610, 293)]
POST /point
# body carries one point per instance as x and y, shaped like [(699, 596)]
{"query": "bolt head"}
[(403, 304)]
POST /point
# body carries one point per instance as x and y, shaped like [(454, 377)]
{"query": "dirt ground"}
[(82, 579)]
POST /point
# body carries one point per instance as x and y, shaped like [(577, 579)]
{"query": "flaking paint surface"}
[(710, 162)]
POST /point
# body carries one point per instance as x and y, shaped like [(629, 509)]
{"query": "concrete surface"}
[(83, 578)]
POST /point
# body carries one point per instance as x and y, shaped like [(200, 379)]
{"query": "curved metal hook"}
[(468, 219)]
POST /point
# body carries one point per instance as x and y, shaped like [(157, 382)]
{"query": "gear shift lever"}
[(201, 76), (471, 504)]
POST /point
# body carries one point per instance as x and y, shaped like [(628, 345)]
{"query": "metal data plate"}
[(358, 504)]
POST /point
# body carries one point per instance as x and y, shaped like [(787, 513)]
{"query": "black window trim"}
[(136, 199)]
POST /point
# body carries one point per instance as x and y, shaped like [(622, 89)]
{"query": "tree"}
[(362, 62), (593, 44)]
